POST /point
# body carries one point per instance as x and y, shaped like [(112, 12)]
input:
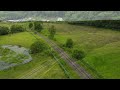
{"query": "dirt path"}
[(79, 69)]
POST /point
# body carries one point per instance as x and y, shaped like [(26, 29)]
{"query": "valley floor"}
[(101, 48)]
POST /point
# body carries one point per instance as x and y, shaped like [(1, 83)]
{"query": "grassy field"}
[(41, 66), (101, 46)]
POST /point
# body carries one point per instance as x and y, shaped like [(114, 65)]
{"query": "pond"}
[(13, 55)]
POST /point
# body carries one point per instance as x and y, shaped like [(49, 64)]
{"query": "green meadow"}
[(101, 46), (40, 67)]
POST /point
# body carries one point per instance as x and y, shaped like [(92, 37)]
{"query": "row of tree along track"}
[(79, 69)]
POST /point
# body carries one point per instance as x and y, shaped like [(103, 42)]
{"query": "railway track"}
[(79, 69)]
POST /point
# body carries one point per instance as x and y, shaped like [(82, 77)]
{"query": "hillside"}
[(66, 15)]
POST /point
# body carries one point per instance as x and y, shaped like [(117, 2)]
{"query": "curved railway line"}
[(79, 69)]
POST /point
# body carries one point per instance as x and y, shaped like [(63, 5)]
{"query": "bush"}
[(38, 47), (52, 32), (4, 30), (31, 26), (38, 26), (78, 54), (16, 28), (69, 43)]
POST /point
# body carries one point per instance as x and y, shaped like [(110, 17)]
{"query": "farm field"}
[(101, 46)]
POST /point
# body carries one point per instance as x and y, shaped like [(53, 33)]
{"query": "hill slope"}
[(66, 15)]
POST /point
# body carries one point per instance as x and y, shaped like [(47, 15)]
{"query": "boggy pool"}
[(12, 55)]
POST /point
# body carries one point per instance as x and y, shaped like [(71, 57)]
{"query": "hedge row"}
[(4, 30), (13, 29), (111, 24), (16, 29)]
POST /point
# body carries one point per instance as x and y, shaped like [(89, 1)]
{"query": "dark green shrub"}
[(38, 47), (37, 26), (69, 43), (52, 32), (4, 30), (31, 26), (77, 54), (16, 29)]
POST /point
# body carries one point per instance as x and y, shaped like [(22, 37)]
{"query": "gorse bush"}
[(77, 54), (69, 43), (16, 29), (38, 47), (4, 30)]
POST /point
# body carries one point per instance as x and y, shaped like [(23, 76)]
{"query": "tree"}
[(16, 28), (4, 30), (69, 43), (38, 26), (52, 32), (38, 47), (78, 54), (31, 26)]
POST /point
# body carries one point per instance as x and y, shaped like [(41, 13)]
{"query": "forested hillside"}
[(92, 15), (66, 15)]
